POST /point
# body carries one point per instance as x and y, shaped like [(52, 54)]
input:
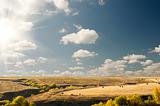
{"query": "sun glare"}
[(8, 32)]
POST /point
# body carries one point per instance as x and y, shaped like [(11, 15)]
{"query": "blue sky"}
[(80, 37)]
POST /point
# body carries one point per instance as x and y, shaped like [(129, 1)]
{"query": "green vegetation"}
[(72, 87), (18, 101), (134, 100), (156, 95), (44, 88)]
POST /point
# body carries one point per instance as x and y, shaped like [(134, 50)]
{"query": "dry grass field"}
[(11, 85), (90, 80), (75, 89), (141, 89)]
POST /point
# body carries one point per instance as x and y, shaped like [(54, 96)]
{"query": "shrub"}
[(150, 101), (99, 104), (110, 103), (135, 100), (121, 101), (156, 95), (72, 87), (53, 86), (4, 102), (18, 101), (32, 104)]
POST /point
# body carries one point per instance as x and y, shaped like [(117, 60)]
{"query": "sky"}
[(79, 38)]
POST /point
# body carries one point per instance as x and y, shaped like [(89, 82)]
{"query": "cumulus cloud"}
[(76, 68), (78, 27), (14, 16), (114, 65), (156, 50), (13, 72), (153, 69), (13, 53), (63, 5), (134, 58), (110, 67), (17, 16), (101, 2), (42, 60), (84, 36), (10, 55), (31, 62), (18, 64), (39, 72), (26, 73), (23, 45), (63, 30), (82, 54), (74, 73), (147, 62)]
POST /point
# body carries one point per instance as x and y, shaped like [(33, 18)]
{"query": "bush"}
[(99, 104), (72, 87), (18, 101), (135, 100), (156, 95), (4, 102), (121, 101), (109, 103), (32, 104), (150, 101), (53, 86)]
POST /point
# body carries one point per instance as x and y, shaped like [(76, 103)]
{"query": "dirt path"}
[(141, 89)]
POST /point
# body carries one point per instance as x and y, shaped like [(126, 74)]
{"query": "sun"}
[(8, 31)]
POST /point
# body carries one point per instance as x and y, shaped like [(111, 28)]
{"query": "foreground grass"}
[(134, 100)]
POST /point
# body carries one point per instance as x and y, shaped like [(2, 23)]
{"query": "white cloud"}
[(10, 55), (75, 13), (63, 5), (78, 27), (39, 72), (76, 68), (42, 60), (17, 17), (26, 73), (23, 45), (153, 69), (82, 54), (18, 64), (147, 62), (110, 65), (110, 68), (63, 30), (13, 72), (134, 58), (30, 62), (69, 73), (156, 50), (14, 17), (79, 63), (84, 36), (49, 12), (101, 2)]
